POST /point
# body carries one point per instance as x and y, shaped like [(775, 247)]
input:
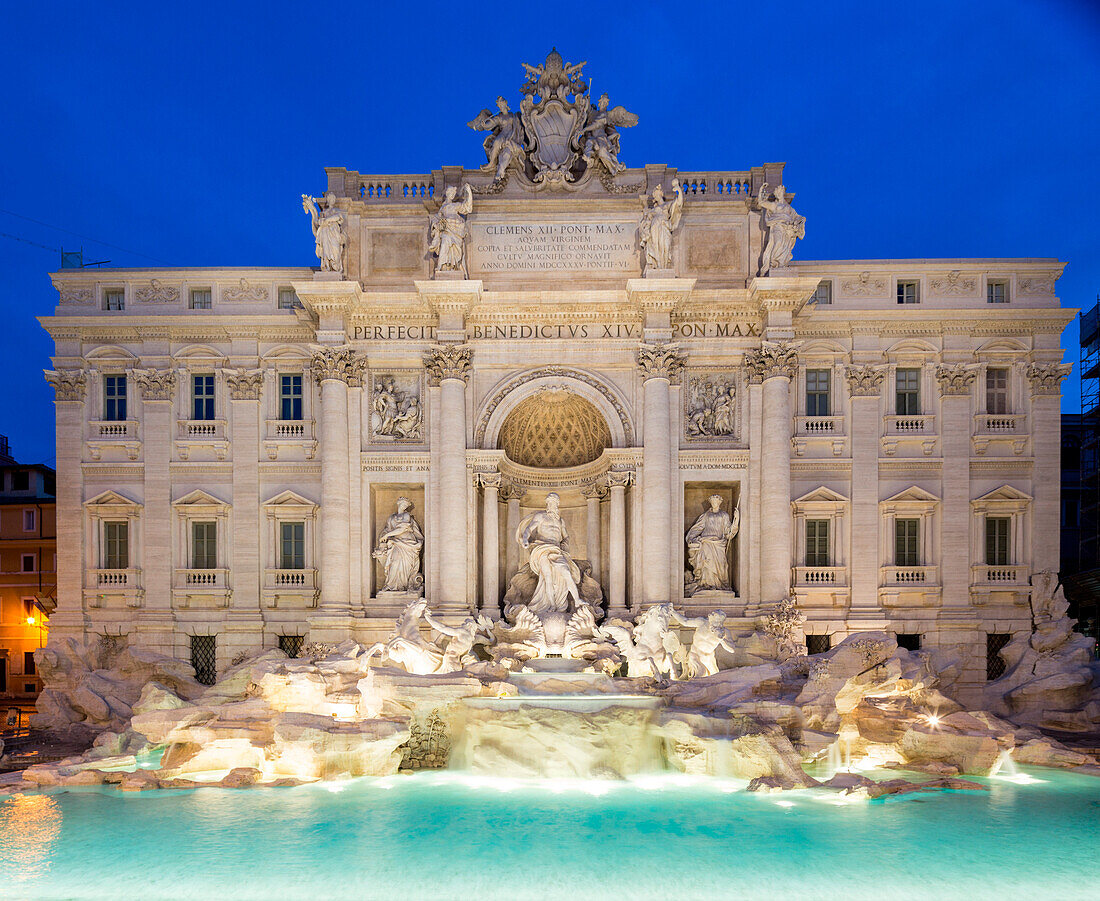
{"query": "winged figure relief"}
[(599, 139)]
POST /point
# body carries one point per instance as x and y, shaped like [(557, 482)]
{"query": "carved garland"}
[(244, 384), (557, 372), (158, 292), (68, 384), (771, 360), (448, 361), (155, 384), (955, 379), (660, 361), (865, 381), (1046, 378)]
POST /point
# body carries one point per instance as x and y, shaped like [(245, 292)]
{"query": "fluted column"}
[(332, 369), (490, 542), (592, 494), (513, 493), (659, 363), (617, 482), (1045, 380), (955, 383), (865, 388), (448, 365), (773, 366)]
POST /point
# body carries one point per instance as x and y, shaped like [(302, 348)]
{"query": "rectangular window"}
[(906, 542), (28, 663), (817, 392), (996, 540), (116, 545), (909, 641), (818, 644), (908, 392), (202, 397), (817, 542), (114, 398), (114, 299), (290, 397), (204, 658), (996, 292), (200, 299), (204, 545), (291, 645), (288, 299), (292, 545), (823, 293), (996, 390), (27, 563), (995, 642), (30, 522), (908, 292), (20, 480)]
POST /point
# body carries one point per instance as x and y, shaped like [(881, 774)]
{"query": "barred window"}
[(291, 645), (204, 658), (995, 642), (908, 392), (909, 641), (818, 644)]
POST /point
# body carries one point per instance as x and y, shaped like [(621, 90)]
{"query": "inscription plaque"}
[(543, 246)]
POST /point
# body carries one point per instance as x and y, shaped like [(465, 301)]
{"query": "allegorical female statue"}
[(545, 535), (506, 140), (658, 223), (399, 547), (449, 231), (708, 543), (328, 231), (785, 226)]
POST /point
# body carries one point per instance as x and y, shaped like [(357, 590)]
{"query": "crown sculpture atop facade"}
[(558, 140)]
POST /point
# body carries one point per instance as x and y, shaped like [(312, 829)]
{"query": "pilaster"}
[(245, 390), (1045, 382), (955, 383), (865, 389)]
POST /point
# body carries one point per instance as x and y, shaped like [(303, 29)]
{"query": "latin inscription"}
[(556, 331), (553, 247)]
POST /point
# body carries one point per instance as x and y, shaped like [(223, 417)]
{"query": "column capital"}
[(340, 363), (244, 384), (772, 360), (955, 378), (448, 361), (620, 478), (155, 384), (1046, 378), (594, 490), (68, 384), (511, 491), (488, 481), (660, 361), (865, 381)]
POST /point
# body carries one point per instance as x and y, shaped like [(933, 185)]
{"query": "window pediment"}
[(112, 502), (820, 500), (199, 501), (289, 502), (913, 500), (1005, 499)]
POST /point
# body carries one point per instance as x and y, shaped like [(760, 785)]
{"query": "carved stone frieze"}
[(770, 360), (953, 284), (956, 378), (155, 384), (78, 297), (865, 381), (341, 363), (244, 384), (1036, 284), (710, 407), (158, 292), (397, 412), (864, 285), (245, 292), (68, 384), (448, 361), (1046, 378), (660, 361)]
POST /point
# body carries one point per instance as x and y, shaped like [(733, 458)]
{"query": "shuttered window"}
[(817, 542), (906, 542), (996, 540)]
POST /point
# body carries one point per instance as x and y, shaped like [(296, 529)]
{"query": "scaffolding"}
[(1083, 586)]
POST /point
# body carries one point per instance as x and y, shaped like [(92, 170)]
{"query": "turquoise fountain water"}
[(445, 835)]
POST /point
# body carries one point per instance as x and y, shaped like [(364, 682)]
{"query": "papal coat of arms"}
[(557, 137)]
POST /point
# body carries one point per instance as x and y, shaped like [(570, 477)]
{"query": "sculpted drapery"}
[(399, 548), (708, 543), (545, 535)]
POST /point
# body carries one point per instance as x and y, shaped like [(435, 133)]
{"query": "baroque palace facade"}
[(879, 440)]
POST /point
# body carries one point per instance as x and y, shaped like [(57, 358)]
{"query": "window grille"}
[(817, 542), (996, 540), (204, 658), (291, 645), (116, 545), (996, 292), (202, 397), (996, 391), (908, 292), (292, 545), (114, 398), (204, 545), (909, 641), (908, 392), (290, 397), (995, 642), (818, 644), (200, 299), (906, 542), (817, 392)]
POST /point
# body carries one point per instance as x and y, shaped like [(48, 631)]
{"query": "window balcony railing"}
[(819, 426), (820, 576), (113, 429), (998, 424), (290, 579), (201, 429), (915, 576), (289, 429), (115, 578), (999, 575), (918, 424), (202, 578)]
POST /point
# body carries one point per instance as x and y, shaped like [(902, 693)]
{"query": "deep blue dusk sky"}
[(187, 132)]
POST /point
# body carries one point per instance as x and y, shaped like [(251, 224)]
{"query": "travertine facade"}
[(894, 465)]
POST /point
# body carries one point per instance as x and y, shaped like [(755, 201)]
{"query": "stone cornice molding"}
[(244, 384), (865, 381), (1046, 378), (955, 378), (450, 296), (68, 384), (658, 295), (772, 360), (326, 297), (340, 363), (773, 293), (448, 361), (155, 384), (660, 361)]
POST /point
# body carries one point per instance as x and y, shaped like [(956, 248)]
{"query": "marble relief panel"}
[(710, 406), (396, 407)]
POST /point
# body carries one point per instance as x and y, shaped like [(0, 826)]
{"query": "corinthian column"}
[(773, 366), (448, 366), (617, 482), (333, 367), (592, 494), (659, 363), (490, 542), (512, 493)]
